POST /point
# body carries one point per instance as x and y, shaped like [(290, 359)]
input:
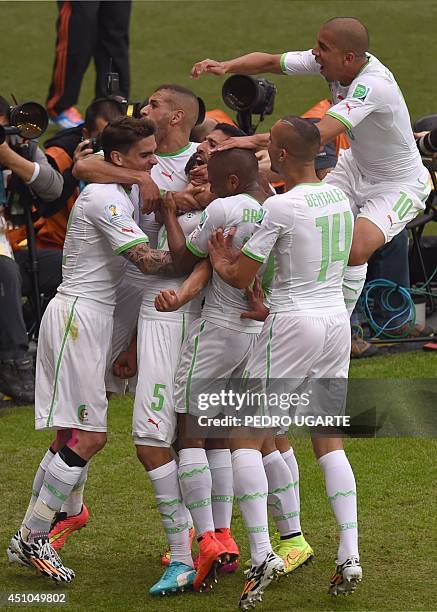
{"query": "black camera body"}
[(28, 120), (249, 96)]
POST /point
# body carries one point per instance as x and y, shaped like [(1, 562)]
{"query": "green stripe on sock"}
[(222, 498), (55, 491), (343, 494), (170, 502), (260, 529), (345, 526), (285, 517), (193, 471), (250, 496), (199, 504), (177, 529)]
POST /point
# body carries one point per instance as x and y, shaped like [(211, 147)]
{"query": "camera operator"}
[(16, 366), (62, 150)]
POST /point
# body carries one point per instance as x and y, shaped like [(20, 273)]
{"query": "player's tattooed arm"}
[(152, 261), (172, 299)]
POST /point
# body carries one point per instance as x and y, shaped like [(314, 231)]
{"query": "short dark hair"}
[(228, 129), (4, 106), (178, 89), (121, 134), (307, 145), (104, 108)]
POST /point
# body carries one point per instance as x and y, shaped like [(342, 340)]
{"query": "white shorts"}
[(128, 302), (158, 347), (73, 350), (293, 353), (212, 358), (390, 206)]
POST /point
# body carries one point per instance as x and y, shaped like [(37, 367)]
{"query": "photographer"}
[(45, 183)]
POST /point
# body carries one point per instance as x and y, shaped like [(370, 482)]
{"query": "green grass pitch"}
[(116, 557)]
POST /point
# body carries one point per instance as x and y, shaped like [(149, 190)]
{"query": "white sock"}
[(342, 493), (37, 483), (196, 483), (250, 488), (73, 505), (282, 500), (222, 497), (290, 460), (187, 512), (172, 510), (59, 480), (353, 283)]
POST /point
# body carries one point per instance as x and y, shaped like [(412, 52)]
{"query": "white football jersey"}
[(101, 226), (373, 109), (309, 230), (169, 172), (223, 303)]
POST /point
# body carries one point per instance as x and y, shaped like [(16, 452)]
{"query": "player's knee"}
[(93, 441), (152, 453)]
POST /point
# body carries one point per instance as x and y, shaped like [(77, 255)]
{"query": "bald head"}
[(349, 34), (232, 171), (181, 98), (299, 137)]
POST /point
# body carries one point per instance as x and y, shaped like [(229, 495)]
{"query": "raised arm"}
[(175, 236), (252, 63)]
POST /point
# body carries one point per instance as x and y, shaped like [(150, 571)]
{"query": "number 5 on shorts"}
[(158, 395)]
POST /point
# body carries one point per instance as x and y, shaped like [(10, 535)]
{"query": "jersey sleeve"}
[(115, 222), (299, 62), (266, 233), (365, 95), (211, 219)]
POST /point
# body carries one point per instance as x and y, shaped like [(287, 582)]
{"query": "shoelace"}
[(50, 553)]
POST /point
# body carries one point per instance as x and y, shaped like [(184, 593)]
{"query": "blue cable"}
[(399, 316)]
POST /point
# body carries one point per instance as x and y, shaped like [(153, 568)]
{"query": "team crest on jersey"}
[(361, 92), (82, 413)]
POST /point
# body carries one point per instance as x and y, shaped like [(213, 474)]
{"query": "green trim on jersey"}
[(124, 247), (282, 62), (194, 250), (193, 363), (309, 184), (178, 152), (251, 197), (363, 67), (341, 119), (269, 351), (252, 255), (59, 360)]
